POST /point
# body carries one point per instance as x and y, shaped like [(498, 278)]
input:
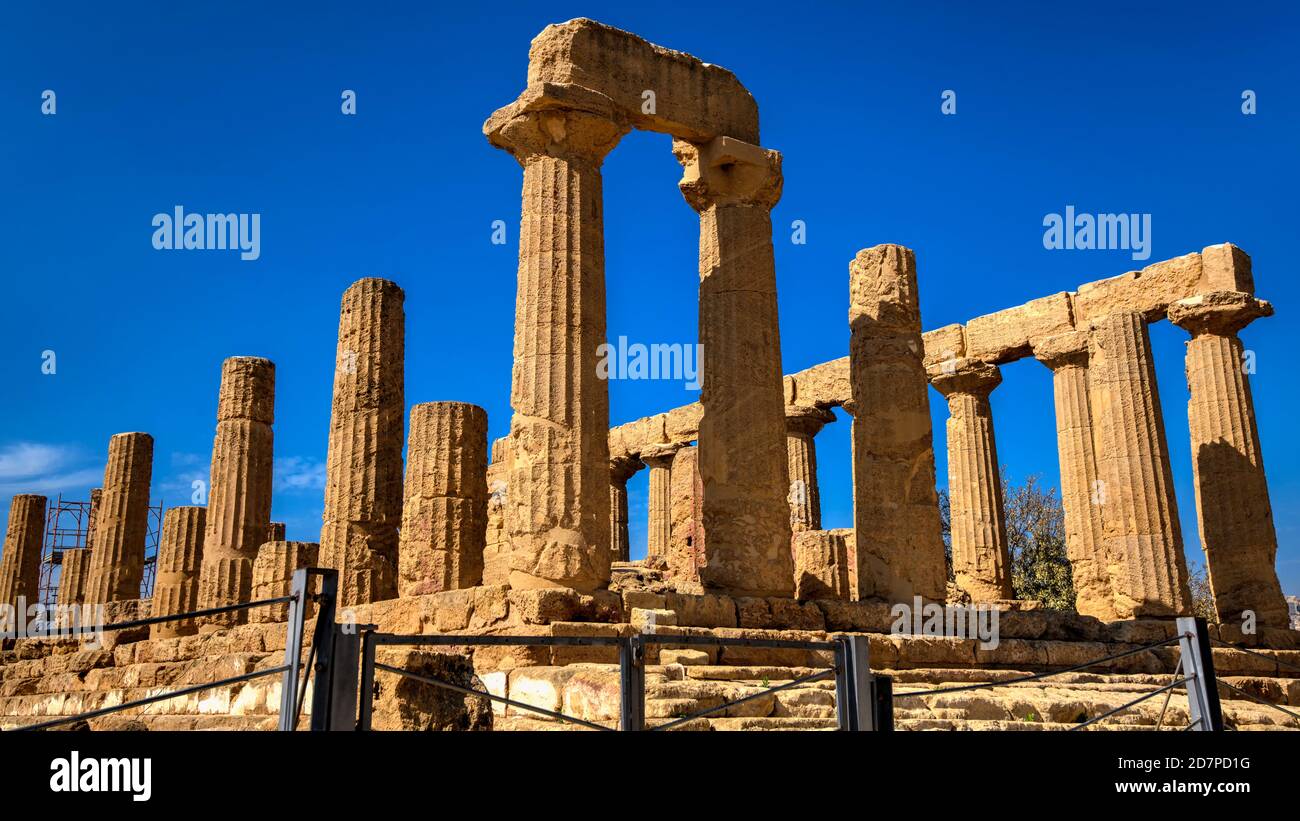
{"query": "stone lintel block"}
[(606, 70), (823, 385), (1148, 291), (1009, 334), (944, 344)]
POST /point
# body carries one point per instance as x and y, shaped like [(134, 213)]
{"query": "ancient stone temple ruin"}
[(529, 537)]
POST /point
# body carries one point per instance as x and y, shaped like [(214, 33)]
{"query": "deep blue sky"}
[(234, 107)]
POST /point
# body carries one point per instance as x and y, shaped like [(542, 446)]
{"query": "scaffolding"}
[(67, 522)]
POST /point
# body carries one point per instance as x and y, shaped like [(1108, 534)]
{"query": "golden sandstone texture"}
[(533, 536)]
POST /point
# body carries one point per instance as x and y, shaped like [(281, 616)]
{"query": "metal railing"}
[(1195, 665), (862, 698), (290, 703)]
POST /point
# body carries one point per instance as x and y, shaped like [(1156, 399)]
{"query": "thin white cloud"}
[(295, 473), (33, 459)]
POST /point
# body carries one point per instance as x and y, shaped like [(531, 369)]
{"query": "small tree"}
[(1198, 581), (1040, 567)]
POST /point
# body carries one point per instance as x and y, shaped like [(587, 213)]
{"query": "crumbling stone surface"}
[(896, 508), (122, 521), (403, 703), (363, 471), (444, 516), (496, 550), (273, 577), (822, 569), (686, 552)]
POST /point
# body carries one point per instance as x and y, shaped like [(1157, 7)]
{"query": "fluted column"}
[(1143, 539), (659, 526), (496, 550), (1233, 510), (801, 427), (122, 521), (895, 505), (239, 493), (273, 571), (274, 532), (734, 185), (557, 514), (444, 515), (20, 564), (980, 559), (687, 546), (363, 470), (621, 468), (180, 558), (72, 576), (1067, 357)]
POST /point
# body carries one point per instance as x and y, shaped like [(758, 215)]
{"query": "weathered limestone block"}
[(444, 516), (659, 528), (20, 564), (822, 385), (944, 344), (72, 576), (1143, 539), (821, 564), (1067, 357), (496, 550), (980, 559), (1233, 510), (557, 514), (239, 494), (802, 423), (1009, 334), (122, 521), (273, 577), (733, 186), (896, 508), (586, 65), (180, 558), (1150, 291), (363, 472), (412, 706), (621, 469), (686, 545)]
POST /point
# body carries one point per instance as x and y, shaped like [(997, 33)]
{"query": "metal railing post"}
[(367, 680), (325, 672), (843, 691), (863, 701), (1198, 666), (293, 651), (631, 673)]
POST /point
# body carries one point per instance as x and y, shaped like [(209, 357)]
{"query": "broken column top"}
[(1219, 312), (882, 288), (247, 389), (588, 66)]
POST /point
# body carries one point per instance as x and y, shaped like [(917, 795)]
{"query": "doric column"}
[(659, 526), (980, 560), (621, 468), (20, 564), (1067, 357), (363, 470), (122, 521), (273, 576), (72, 576), (274, 532), (239, 494), (96, 497), (180, 557), (557, 514), (895, 506), (801, 426), (496, 550), (733, 185), (1233, 511), (444, 516), (687, 547), (1143, 539)]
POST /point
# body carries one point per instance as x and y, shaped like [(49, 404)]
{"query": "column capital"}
[(807, 420), (1219, 313), (623, 467), (1063, 350), (660, 454), (564, 133), (726, 171), (964, 375)]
